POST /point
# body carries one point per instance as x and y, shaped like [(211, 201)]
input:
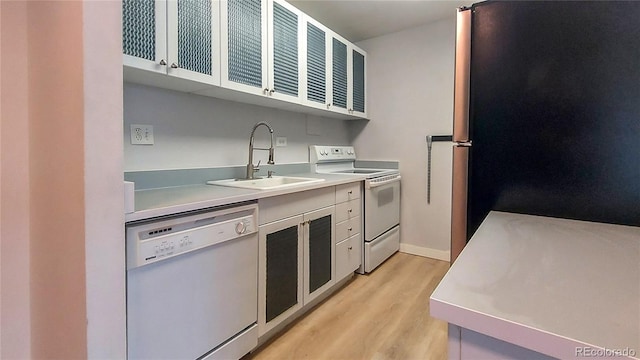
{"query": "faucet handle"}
[(257, 167), (270, 173)]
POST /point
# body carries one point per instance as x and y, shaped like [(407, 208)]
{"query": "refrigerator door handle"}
[(462, 76), (463, 144)]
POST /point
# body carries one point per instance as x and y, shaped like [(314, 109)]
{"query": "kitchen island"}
[(532, 287)]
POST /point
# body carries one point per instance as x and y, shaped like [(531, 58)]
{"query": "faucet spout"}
[(251, 169)]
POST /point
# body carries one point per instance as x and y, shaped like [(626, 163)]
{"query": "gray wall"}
[(193, 131), (410, 95)]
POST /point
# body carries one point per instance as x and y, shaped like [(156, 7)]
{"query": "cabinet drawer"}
[(348, 256), (346, 192), (283, 206), (348, 228), (347, 210)]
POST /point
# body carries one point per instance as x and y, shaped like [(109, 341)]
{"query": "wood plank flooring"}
[(383, 315)]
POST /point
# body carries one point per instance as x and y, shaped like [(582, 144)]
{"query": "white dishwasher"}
[(192, 285)]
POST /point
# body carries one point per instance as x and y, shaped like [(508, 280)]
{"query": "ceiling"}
[(358, 20)]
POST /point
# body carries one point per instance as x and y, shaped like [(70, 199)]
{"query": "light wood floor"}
[(384, 315)]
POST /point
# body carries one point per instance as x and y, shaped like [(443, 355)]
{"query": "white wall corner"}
[(443, 255)]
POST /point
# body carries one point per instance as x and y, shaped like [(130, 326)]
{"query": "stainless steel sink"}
[(275, 182)]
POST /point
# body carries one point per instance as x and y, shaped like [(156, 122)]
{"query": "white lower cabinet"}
[(280, 269), (296, 264), (348, 256), (348, 229), (303, 252)]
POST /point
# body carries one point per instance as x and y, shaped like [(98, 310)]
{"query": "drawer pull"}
[(350, 192), (350, 229), (350, 248), (350, 210)]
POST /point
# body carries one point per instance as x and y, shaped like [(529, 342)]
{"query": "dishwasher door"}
[(199, 293)]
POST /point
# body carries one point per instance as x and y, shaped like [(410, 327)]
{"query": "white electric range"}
[(381, 201)]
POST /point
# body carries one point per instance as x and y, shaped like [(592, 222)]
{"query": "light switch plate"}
[(141, 134)]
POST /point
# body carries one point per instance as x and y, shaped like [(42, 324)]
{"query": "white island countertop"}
[(547, 284)]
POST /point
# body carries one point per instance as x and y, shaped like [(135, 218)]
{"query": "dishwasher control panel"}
[(152, 242)]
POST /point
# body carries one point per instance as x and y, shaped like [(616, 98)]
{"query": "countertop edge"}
[(457, 307), (243, 196), (544, 342)]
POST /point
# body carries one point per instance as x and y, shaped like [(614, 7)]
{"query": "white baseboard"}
[(426, 252)]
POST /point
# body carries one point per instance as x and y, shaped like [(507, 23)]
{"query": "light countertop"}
[(546, 284), (153, 203)]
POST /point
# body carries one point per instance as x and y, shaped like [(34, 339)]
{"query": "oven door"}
[(381, 205)]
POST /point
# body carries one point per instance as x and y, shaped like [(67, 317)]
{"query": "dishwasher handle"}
[(374, 183)]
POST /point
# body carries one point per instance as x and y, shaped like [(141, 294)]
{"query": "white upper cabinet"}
[(179, 38), (261, 42), (144, 34), (357, 89), (316, 80), (340, 74), (285, 45), (243, 45), (250, 51), (347, 80)]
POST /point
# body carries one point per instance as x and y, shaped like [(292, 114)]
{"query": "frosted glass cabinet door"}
[(194, 40), (144, 42), (340, 74), (285, 58), (316, 82), (358, 64), (243, 29)]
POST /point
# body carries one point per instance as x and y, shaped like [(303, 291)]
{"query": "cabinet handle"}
[(328, 106), (350, 192), (162, 62), (350, 211), (271, 91), (174, 65), (350, 229), (265, 91), (350, 248)]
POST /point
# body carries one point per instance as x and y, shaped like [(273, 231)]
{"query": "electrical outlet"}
[(281, 141), (141, 134)]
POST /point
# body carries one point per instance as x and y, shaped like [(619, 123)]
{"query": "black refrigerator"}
[(546, 112)]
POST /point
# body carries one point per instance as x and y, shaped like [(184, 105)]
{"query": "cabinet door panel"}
[(282, 271), (348, 256), (285, 50), (195, 35), (144, 34), (319, 252), (245, 33), (358, 81), (339, 74), (316, 64)]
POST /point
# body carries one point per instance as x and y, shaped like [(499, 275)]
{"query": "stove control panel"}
[(327, 153)]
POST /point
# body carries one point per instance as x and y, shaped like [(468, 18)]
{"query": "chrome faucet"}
[(250, 167)]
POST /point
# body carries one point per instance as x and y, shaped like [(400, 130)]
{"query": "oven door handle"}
[(370, 184)]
